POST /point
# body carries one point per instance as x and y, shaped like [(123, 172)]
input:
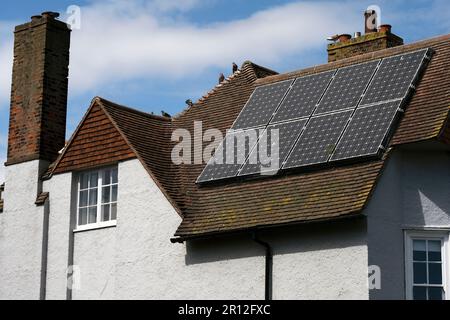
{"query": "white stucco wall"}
[(21, 233), (413, 193), (136, 260), (320, 261), (60, 190)]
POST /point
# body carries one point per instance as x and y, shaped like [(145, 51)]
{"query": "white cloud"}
[(120, 41)]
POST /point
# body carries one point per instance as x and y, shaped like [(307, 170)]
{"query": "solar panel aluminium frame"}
[(363, 92), (334, 71), (386, 136), (403, 102), (278, 106), (283, 167), (428, 52)]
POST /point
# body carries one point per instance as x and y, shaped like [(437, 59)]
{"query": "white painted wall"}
[(60, 189), (320, 261), (136, 260), (21, 233), (413, 192)]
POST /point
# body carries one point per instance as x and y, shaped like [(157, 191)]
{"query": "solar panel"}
[(262, 104), (263, 158), (303, 97), (330, 116), (367, 130), (347, 87), (394, 77), (230, 155), (318, 140)]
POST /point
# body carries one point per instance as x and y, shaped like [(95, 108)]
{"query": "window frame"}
[(98, 224), (443, 236)]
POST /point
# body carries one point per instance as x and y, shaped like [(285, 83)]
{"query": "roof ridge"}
[(245, 66), (126, 108)]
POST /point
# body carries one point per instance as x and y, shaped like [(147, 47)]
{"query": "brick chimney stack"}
[(37, 122), (374, 39)]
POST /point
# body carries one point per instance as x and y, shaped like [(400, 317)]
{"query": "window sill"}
[(94, 226)]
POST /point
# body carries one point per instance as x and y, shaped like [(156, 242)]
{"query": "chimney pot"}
[(50, 14), (357, 34), (344, 37), (385, 28)]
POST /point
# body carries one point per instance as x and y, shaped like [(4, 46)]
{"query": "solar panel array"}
[(315, 119)]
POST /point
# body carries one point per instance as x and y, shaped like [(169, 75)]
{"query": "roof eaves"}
[(208, 235)]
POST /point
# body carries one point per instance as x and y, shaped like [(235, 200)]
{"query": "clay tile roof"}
[(41, 198), (330, 193), (313, 196)]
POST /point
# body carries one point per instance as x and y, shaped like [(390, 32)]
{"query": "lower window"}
[(426, 265)]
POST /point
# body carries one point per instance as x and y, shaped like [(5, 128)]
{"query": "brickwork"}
[(38, 107)]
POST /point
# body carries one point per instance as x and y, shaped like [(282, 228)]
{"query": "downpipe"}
[(268, 267)]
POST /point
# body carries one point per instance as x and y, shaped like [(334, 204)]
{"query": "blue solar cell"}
[(303, 97), (394, 77), (270, 152), (230, 155), (366, 131), (347, 87), (318, 140), (261, 106)]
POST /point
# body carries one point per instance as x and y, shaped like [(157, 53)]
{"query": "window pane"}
[(114, 211), (92, 214), (82, 216), (434, 250), (114, 194), (419, 250), (83, 198), (420, 272), (114, 175), (93, 197), (106, 177), (105, 212), (93, 180), (83, 181), (105, 194), (434, 273), (434, 293), (419, 293)]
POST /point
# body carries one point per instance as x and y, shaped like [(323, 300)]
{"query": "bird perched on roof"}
[(189, 102), (333, 38), (165, 114), (221, 78), (235, 67)]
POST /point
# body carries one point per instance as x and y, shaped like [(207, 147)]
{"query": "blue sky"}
[(155, 54)]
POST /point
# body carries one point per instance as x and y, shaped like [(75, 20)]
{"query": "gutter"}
[(269, 263)]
